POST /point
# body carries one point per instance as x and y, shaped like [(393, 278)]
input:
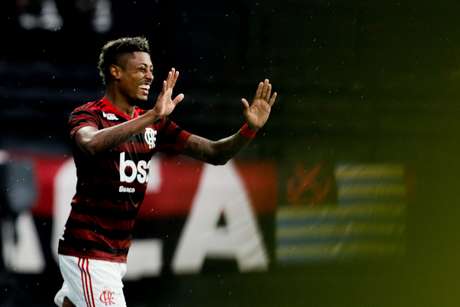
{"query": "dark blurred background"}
[(359, 81)]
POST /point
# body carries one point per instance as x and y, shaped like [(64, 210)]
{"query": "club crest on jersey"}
[(109, 116), (107, 297), (150, 137)]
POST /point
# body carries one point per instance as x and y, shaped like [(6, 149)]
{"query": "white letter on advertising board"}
[(221, 191)]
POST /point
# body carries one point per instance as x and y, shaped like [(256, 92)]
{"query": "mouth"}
[(145, 88)]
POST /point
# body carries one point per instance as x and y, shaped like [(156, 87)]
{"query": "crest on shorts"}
[(107, 297), (150, 137)]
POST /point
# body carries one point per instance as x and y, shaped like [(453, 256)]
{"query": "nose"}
[(149, 76)]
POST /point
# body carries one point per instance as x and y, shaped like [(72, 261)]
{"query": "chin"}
[(143, 98)]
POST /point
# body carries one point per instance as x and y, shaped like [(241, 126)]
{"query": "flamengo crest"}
[(107, 297), (150, 137)]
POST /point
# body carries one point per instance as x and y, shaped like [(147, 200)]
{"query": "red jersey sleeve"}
[(81, 117), (171, 138)]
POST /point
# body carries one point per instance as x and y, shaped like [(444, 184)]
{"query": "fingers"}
[(178, 99), (172, 77), (266, 89), (175, 76), (272, 100), (245, 103), (259, 91), (269, 92)]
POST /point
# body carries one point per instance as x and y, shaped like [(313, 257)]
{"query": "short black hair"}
[(112, 50)]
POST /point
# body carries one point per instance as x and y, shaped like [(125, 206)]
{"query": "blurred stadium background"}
[(348, 197)]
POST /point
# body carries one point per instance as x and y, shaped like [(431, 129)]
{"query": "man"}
[(113, 142)]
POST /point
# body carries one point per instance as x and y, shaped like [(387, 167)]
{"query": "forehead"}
[(135, 58)]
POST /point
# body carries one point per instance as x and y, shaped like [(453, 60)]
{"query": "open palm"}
[(165, 104), (258, 111)]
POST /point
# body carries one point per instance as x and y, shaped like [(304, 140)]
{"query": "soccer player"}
[(113, 141)]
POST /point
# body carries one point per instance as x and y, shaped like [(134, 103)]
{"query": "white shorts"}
[(91, 283)]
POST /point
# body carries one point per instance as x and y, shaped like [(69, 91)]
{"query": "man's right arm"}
[(92, 140)]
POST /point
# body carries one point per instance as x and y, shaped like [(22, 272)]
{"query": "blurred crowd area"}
[(219, 48), (344, 69), (368, 106)]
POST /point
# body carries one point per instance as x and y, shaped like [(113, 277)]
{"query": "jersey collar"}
[(108, 107)]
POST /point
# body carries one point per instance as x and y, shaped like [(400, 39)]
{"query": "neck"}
[(119, 100)]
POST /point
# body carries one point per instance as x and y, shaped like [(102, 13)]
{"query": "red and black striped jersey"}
[(111, 184)]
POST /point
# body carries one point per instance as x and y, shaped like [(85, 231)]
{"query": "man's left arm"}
[(220, 151)]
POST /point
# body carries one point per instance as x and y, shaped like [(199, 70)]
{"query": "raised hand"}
[(258, 112), (165, 104)]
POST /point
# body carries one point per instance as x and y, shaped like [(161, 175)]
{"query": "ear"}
[(115, 71)]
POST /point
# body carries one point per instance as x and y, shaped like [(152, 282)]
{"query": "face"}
[(134, 75)]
